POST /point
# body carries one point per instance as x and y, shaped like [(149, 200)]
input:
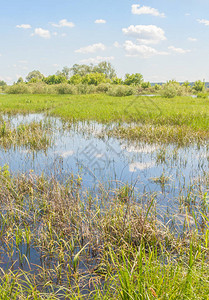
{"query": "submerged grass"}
[(108, 246), (180, 119), (32, 136), (162, 134)]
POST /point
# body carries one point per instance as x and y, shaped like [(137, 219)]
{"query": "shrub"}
[(103, 88), (20, 88), (199, 86), (65, 88), (172, 89), (120, 91), (202, 95), (41, 88)]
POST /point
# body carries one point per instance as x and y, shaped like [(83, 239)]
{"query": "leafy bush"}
[(133, 79), (202, 95), (65, 88), (85, 88), (120, 91), (103, 88), (20, 88), (94, 78), (41, 88), (172, 89), (199, 86)]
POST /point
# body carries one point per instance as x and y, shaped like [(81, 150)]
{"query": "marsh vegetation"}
[(104, 197)]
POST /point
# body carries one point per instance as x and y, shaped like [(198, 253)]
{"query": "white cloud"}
[(96, 60), (140, 50), (190, 39), (24, 26), (100, 21), (187, 14), (146, 34), (64, 23), (179, 50), (91, 48), (63, 34), (55, 33), (203, 21), (42, 33), (146, 10), (116, 45)]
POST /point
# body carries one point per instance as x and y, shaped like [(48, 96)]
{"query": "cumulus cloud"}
[(91, 48), (146, 10), (100, 21), (203, 21), (42, 33), (64, 23), (190, 39), (96, 60), (179, 50), (116, 45), (24, 26), (146, 34), (133, 49)]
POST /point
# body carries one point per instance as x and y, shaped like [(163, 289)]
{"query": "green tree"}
[(75, 79), (133, 79), (65, 72), (199, 86), (186, 84), (81, 70), (94, 78), (34, 75), (105, 68), (2, 83), (55, 79), (145, 85), (116, 80), (20, 80)]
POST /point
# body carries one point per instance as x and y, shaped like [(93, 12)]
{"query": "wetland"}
[(104, 197)]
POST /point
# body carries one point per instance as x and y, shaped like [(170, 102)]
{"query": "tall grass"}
[(110, 245)]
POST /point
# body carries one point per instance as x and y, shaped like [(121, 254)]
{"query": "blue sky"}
[(161, 39)]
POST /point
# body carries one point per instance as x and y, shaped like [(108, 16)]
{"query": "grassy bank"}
[(188, 111)]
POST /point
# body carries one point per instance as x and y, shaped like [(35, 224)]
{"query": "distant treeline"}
[(100, 78)]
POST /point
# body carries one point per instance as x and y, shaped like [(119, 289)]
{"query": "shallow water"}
[(167, 171), (77, 149)]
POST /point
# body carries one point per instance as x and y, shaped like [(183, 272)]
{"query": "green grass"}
[(34, 136), (186, 111), (127, 252)]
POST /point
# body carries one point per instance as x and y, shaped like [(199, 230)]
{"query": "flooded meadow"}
[(72, 194)]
